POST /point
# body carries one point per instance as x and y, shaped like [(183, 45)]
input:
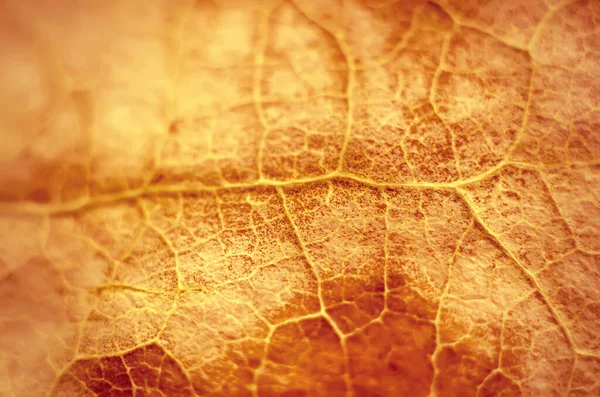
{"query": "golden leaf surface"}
[(300, 198)]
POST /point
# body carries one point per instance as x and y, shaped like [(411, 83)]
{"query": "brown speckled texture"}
[(299, 198)]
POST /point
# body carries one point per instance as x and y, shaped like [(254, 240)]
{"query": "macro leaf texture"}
[(300, 198)]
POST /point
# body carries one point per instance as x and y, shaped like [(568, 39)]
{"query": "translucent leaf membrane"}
[(299, 198)]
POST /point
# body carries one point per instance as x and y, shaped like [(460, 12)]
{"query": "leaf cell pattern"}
[(300, 198)]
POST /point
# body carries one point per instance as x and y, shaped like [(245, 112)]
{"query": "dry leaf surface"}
[(300, 198)]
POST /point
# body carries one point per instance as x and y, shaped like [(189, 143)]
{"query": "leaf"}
[(299, 198)]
